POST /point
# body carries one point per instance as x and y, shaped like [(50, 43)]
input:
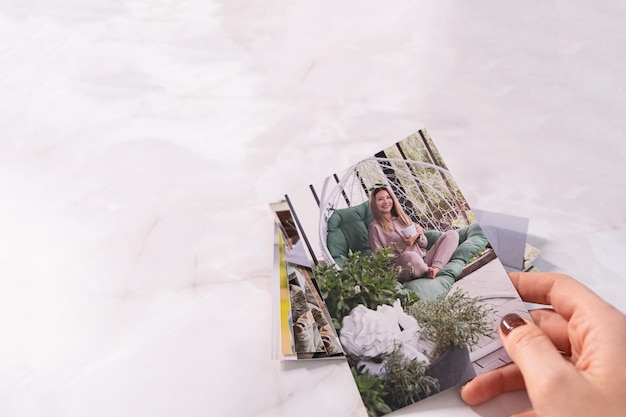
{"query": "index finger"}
[(563, 292)]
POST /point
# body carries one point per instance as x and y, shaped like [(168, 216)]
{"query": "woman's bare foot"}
[(432, 272)]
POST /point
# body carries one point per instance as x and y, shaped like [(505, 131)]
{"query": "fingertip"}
[(514, 274), (511, 321), (529, 347), (491, 384), (463, 391), (470, 395)]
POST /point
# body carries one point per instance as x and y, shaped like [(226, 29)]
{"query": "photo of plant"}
[(406, 336), (414, 348), (303, 327)]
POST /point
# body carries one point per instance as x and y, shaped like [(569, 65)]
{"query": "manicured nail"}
[(510, 322)]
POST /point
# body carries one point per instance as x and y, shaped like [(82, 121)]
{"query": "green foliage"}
[(372, 392), (406, 381), (453, 320), (367, 280)]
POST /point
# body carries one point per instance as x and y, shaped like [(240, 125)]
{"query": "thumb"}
[(539, 361)]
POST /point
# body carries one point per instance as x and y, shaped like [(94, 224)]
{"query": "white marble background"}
[(140, 142)]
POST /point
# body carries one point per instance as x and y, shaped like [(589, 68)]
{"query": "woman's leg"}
[(441, 252), (415, 266)]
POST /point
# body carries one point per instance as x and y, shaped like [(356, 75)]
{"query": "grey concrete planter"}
[(452, 368)]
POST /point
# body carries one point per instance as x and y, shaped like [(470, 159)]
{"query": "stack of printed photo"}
[(383, 264)]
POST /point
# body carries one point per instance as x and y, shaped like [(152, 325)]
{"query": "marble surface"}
[(141, 142)]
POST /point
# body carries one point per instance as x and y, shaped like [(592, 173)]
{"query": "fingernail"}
[(510, 322)]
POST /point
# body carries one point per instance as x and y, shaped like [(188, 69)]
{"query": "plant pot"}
[(453, 367)]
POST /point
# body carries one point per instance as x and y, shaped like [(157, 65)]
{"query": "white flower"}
[(372, 333)]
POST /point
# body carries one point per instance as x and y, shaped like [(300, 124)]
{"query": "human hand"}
[(409, 240), (571, 362)]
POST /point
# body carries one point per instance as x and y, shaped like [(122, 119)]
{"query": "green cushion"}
[(347, 231), (430, 288), (472, 240)]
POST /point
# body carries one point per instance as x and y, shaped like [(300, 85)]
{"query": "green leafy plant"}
[(372, 393), (452, 320), (406, 381), (403, 382), (367, 280)]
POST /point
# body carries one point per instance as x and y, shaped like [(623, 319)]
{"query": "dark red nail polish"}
[(510, 322)]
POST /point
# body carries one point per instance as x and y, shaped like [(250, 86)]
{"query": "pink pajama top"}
[(381, 238)]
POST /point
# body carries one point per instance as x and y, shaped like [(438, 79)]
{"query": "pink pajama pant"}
[(437, 256)]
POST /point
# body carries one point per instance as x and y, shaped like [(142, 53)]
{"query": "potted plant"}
[(366, 280), (388, 373), (454, 323)]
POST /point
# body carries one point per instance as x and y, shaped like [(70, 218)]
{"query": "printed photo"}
[(303, 327), (406, 273)]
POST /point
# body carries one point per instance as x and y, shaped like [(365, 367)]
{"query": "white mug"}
[(409, 231)]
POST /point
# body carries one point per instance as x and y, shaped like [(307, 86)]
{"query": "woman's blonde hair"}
[(396, 209)]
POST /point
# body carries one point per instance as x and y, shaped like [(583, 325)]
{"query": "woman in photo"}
[(392, 228)]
